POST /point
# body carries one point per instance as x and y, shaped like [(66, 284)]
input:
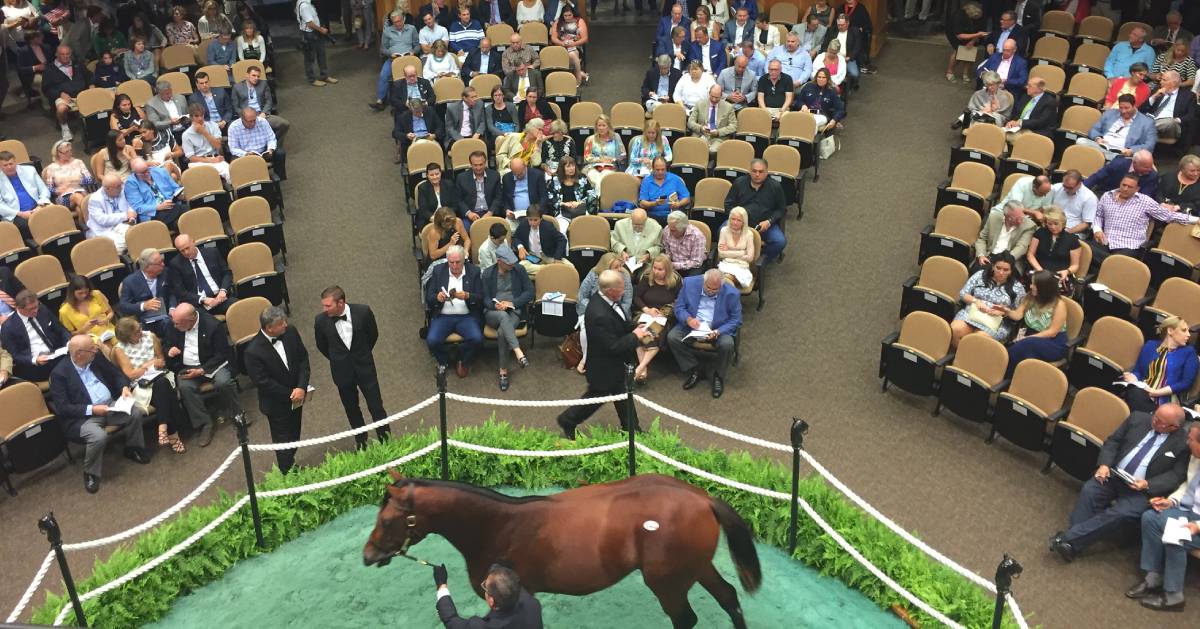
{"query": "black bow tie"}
[(340, 318), (276, 339)]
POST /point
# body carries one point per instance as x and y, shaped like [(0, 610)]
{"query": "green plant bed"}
[(149, 597)]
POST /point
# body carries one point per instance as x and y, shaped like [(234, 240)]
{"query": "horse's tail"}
[(741, 544)]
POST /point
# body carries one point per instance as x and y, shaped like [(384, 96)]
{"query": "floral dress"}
[(997, 294), (182, 33), (600, 156), (559, 192), (642, 154)]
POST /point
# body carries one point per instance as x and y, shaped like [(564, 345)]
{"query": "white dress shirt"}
[(191, 346), (278, 347), (37, 346), (212, 284), (455, 306), (344, 328)]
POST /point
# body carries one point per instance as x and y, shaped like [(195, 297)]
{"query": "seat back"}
[(201, 179), (95, 101), (203, 224), (1117, 340), (180, 83), (535, 34), (958, 222), (628, 118), (1179, 297), (138, 91), (1090, 58), (460, 152), (23, 403), (425, 152), (1095, 28), (1011, 181), (447, 89), (974, 178), (1051, 49), (248, 169), (710, 193), (557, 278), (180, 57), (554, 58), (584, 114), (500, 34), (618, 186), (672, 117), (754, 121), (1097, 411), (12, 245), (249, 260), (782, 160), (691, 151), (399, 63), (1039, 383), (800, 125), (735, 154), (241, 319), (1054, 76), (589, 231), (1127, 27), (1075, 317), (484, 85), (51, 222), (983, 357), (148, 235), (986, 138), (1085, 257), (1085, 159), (1178, 241), (561, 84), (248, 212), (707, 231), (785, 13), (1058, 23), (926, 333), (1033, 148), (240, 68), (943, 275), (94, 254), (1091, 88), (41, 274), (1126, 276), (17, 148), (217, 76)]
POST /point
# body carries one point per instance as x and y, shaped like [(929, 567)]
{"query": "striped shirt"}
[(257, 139), (1125, 223), (465, 37), (686, 251)]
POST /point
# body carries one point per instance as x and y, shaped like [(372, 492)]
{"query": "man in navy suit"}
[(83, 389), (675, 47), (710, 54), (200, 277), (482, 60), (538, 241), (1009, 29), (1009, 65), (705, 302), (32, 336), (662, 36), (216, 103), (454, 294), (147, 294), (521, 187)]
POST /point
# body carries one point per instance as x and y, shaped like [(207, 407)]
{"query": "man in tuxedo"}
[(454, 293), (659, 83), (715, 122), (482, 60), (509, 605), (83, 389), (1037, 112), (201, 277), (216, 103), (464, 118), (197, 348), (705, 302), (1171, 108), (346, 335), (612, 344), (253, 92), (479, 191), (147, 293), (708, 52), (522, 187), (536, 238), (32, 335), (277, 363), (1149, 448)]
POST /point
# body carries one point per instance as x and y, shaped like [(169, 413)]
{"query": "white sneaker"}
[(66, 133)]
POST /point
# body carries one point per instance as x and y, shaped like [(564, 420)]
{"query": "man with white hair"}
[(109, 213), (198, 353), (62, 81), (1172, 109), (684, 244), (1127, 53), (146, 294), (637, 237), (153, 194), (659, 83), (277, 363), (200, 277), (454, 294), (167, 110), (708, 310), (84, 389), (1170, 32)]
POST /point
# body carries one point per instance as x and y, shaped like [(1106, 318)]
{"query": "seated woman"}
[(1166, 368), (644, 148), (87, 311), (603, 152), (179, 30), (213, 21), (1134, 84), (1043, 315), (834, 63), (108, 38), (159, 148), (499, 115), (570, 32), (139, 62), (439, 62), (67, 177), (142, 27), (250, 44), (138, 353), (655, 295), (693, 87), (125, 117), (1179, 59), (534, 107), (434, 193), (114, 157), (570, 194), (557, 145), (108, 73), (991, 105), (527, 145), (820, 98), (1055, 250), (588, 289), (446, 231), (988, 295), (735, 249), (1177, 191)]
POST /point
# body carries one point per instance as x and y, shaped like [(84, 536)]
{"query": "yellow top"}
[(95, 308)]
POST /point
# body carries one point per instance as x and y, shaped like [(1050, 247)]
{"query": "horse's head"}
[(397, 526)]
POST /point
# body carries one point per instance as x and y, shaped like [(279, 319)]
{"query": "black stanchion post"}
[(631, 419), (1008, 570), (799, 427), (441, 385), (244, 441), (49, 527)]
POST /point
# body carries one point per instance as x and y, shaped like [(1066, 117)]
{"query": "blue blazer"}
[(663, 34), (15, 339), (141, 197), (71, 398), (135, 290), (537, 188), (1018, 71), (553, 242), (727, 315), (1182, 365), (220, 98), (472, 284), (749, 5), (716, 55), (1141, 133), (522, 288), (1109, 178)]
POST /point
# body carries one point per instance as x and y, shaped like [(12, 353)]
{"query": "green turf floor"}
[(319, 581)]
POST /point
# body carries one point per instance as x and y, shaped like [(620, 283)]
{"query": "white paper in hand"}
[(62, 351), (1176, 531), (633, 264), (122, 405), (701, 332), (645, 318)]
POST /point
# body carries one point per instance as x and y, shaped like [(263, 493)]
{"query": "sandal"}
[(163, 439), (177, 444)]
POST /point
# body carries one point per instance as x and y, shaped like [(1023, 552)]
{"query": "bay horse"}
[(581, 540)]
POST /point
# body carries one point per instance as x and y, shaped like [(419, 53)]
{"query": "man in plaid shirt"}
[(249, 135), (684, 244), (1123, 218)]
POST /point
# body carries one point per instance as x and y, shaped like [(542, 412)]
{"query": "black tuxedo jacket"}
[(184, 275), (349, 364), (471, 64), (465, 184), (15, 339), (1167, 468), (611, 345), (212, 343), (71, 398), (526, 615), (1044, 117), (275, 381)]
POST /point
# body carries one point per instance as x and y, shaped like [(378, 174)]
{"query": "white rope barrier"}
[(316, 441), (33, 586), (580, 452), (471, 399), (829, 530), (737, 436), (350, 477)]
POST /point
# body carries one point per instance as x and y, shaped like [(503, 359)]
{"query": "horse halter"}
[(410, 521)]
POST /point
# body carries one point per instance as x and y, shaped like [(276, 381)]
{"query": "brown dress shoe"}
[(461, 370)]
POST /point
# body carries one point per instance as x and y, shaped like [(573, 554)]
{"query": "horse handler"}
[(511, 606)]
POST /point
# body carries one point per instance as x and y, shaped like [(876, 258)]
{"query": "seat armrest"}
[(910, 282), (1075, 342), (927, 230), (944, 360), (1058, 415), (1000, 386), (1143, 301), (891, 338)]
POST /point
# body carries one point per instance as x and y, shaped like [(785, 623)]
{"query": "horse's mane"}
[(482, 492)]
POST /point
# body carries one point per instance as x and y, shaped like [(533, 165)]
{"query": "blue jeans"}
[(385, 79), (467, 326), (1168, 560), (852, 69)]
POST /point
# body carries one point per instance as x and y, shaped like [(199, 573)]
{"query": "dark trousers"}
[(1138, 400), (35, 373), (278, 163), (1101, 252), (166, 405), (22, 226), (575, 415), (370, 390), (285, 428), (313, 47), (1102, 510)]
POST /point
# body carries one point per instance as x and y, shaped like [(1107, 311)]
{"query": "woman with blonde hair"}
[(213, 22), (446, 231), (439, 62), (645, 148), (558, 145), (1167, 366), (139, 353), (67, 177), (1054, 249), (655, 296), (735, 248), (603, 152), (588, 289)]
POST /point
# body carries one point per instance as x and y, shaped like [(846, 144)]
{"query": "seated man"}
[(1151, 450), (538, 241), (249, 135), (465, 33), (666, 32), (431, 32), (223, 52), (454, 295), (407, 88), (1172, 109), (478, 190), (1029, 192), (1122, 131), (1110, 175), (22, 192), (1037, 112), (508, 603), (1012, 68), (497, 235), (1166, 564), (811, 33), (715, 122), (1127, 53), (708, 310), (738, 84), (739, 28), (147, 294), (200, 277), (216, 104), (1170, 32), (464, 118), (153, 194), (775, 90), (795, 61), (659, 83), (167, 110), (675, 48), (1009, 31), (62, 81), (522, 187), (34, 338), (684, 244), (756, 62), (637, 238), (1078, 203), (1008, 230), (710, 53), (762, 198), (1122, 218), (197, 349), (83, 389), (520, 81), (398, 39), (518, 55), (202, 142), (482, 60), (109, 215), (417, 122), (252, 92), (662, 192)]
